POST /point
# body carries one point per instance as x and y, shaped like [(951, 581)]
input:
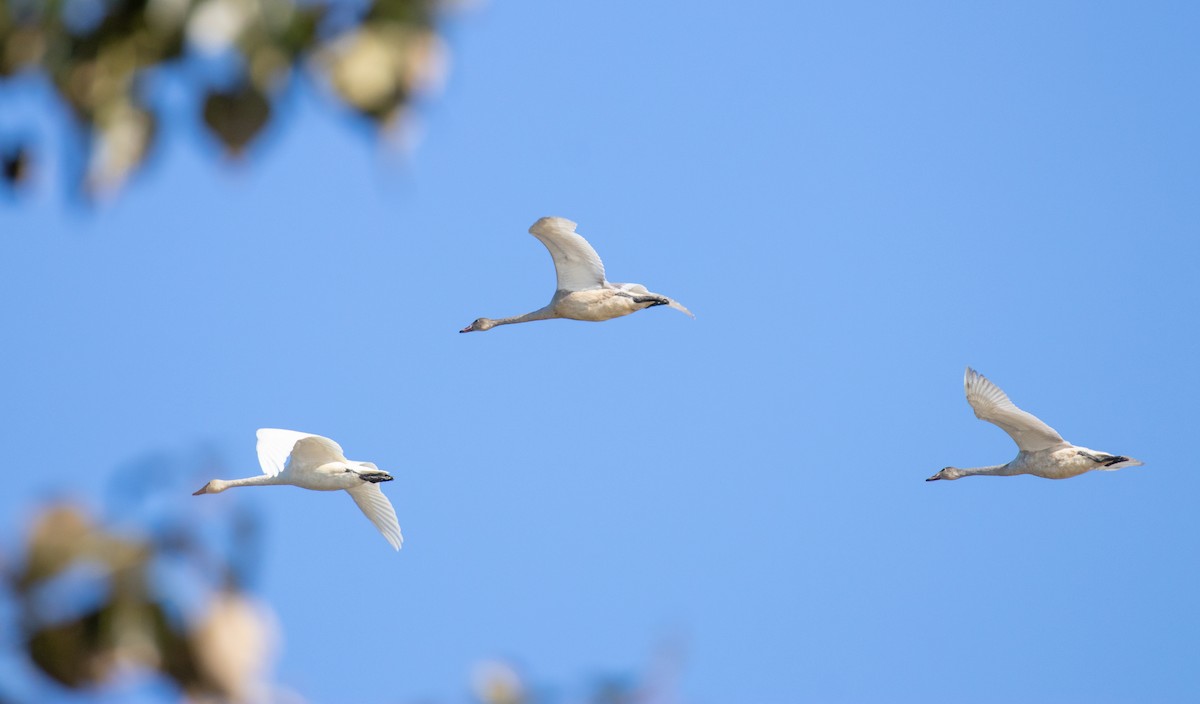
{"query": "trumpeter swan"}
[(1043, 452), (314, 462), (583, 293)]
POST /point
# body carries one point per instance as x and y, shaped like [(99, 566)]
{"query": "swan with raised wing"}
[(583, 293), (318, 463), (1043, 452)]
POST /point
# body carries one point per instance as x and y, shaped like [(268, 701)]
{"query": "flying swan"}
[(583, 293), (1043, 451), (313, 462)]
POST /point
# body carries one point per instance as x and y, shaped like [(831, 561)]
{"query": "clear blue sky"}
[(856, 199)]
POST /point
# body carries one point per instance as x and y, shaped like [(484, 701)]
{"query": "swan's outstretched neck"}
[(996, 470), (216, 486), (540, 314), (487, 323)]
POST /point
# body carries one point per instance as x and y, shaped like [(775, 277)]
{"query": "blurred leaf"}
[(16, 165), (233, 645), (68, 652), (236, 116), (57, 538), (123, 137), (177, 659), (496, 682)]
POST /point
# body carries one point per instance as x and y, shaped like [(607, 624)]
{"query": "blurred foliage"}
[(498, 682), (236, 58), (147, 601), (92, 605)]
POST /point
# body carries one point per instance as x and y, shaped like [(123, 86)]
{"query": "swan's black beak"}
[(935, 477), (469, 328), (201, 490)]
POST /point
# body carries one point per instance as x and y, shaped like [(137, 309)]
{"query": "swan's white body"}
[(318, 463), (583, 293), (1043, 452)]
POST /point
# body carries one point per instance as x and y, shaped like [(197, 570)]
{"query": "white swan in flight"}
[(583, 293), (313, 462), (1043, 452)]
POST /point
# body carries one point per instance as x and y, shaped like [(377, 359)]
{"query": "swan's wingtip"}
[(552, 221), (681, 308)]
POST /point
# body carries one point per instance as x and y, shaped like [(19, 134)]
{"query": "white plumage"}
[(992, 404), (318, 463), (582, 293), (1043, 452), (578, 266)]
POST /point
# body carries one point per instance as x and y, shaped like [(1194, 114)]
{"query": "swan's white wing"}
[(992, 404), (313, 451), (579, 267), (371, 500), (275, 445)]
